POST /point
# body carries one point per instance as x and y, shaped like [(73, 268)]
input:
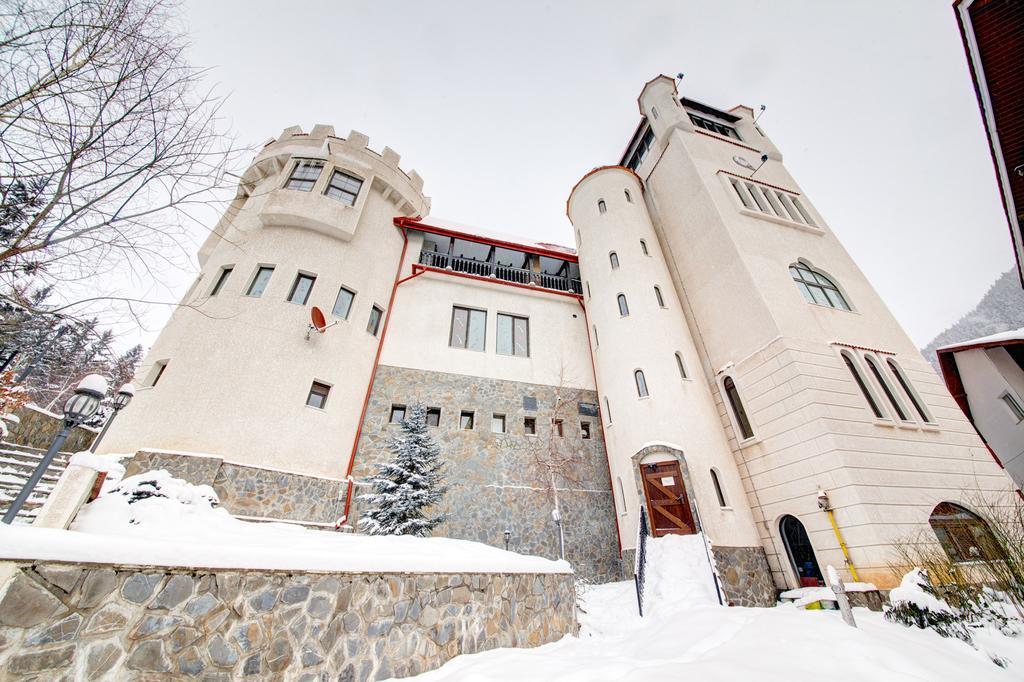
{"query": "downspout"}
[(400, 224)]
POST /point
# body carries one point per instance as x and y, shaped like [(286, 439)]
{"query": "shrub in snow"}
[(915, 603), (162, 484), (405, 487)]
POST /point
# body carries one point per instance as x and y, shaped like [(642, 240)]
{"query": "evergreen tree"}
[(405, 487), (915, 603)]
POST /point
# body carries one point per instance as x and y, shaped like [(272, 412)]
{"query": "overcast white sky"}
[(501, 107)]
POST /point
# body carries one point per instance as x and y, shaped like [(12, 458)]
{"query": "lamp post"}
[(80, 407), (121, 400)]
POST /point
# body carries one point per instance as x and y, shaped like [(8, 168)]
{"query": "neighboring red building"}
[(993, 35)]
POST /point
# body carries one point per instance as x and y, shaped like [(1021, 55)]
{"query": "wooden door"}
[(666, 499)]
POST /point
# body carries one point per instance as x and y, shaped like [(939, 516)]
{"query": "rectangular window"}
[(304, 175), (468, 328), (714, 126), (433, 416), (301, 288), (344, 187), (585, 430), (497, 423), (158, 371), (557, 428), (225, 272), (742, 193), (1015, 409), (466, 420), (513, 335), (639, 153), (260, 281), (318, 395), (373, 325), (397, 414), (343, 304), (530, 426)]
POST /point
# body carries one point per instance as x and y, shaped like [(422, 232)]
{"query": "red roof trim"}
[(759, 182), (418, 224), (870, 350)]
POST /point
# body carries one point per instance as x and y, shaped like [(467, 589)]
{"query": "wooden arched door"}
[(666, 499)]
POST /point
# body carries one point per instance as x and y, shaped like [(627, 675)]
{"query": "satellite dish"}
[(743, 163), (319, 321)]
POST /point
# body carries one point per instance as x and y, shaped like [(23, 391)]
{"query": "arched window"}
[(597, 342), (963, 534), (641, 383), (654, 112), (623, 307), (817, 288), (629, 197), (738, 412), (800, 551), (607, 411), (657, 295), (884, 383), (859, 380), (718, 489), (622, 495), (601, 206), (588, 289), (613, 258), (904, 383), (680, 365), (643, 248)]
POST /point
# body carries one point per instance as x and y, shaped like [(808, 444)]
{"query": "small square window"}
[(343, 304), (260, 281), (497, 423), (318, 395), (433, 416), (585, 430), (397, 414), (304, 175), (466, 420), (373, 325), (530, 426), (557, 428), (225, 272), (301, 289)]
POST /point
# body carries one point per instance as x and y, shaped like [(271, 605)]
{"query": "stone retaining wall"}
[(37, 429), (69, 622)]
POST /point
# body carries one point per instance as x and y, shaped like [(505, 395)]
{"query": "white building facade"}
[(709, 353)]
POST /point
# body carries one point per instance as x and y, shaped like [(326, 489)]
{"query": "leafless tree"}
[(108, 143)]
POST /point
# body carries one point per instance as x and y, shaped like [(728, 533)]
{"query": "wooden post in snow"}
[(839, 589)]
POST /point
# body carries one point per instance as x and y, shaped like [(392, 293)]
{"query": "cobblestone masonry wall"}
[(37, 429), (251, 491), (494, 484), (71, 622)]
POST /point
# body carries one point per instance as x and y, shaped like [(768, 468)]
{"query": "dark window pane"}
[(862, 386), (260, 281), (224, 274), (318, 395), (397, 414), (373, 325), (343, 304), (466, 421), (737, 408), (433, 416), (301, 288), (344, 187), (304, 175)]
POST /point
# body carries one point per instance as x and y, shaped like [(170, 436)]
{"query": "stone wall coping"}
[(247, 465)]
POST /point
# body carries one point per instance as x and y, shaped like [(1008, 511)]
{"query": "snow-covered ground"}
[(172, 523), (686, 635)]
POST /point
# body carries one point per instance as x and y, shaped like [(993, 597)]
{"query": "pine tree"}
[(405, 487), (916, 603)]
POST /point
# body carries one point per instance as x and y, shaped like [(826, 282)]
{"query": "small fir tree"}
[(916, 603), (408, 485)]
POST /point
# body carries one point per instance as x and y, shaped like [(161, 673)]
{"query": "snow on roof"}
[(991, 340), (454, 226)]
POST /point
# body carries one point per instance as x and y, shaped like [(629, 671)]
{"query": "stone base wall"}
[(252, 491), (745, 577), (37, 430), (494, 482), (72, 622)]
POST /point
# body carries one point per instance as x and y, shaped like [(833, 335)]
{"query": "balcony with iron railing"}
[(507, 273)]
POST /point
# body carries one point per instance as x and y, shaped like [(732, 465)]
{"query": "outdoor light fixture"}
[(121, 400), (508, 536), (82, 405), (823, 502)]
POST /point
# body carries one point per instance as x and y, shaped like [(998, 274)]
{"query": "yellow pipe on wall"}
[(842, 545)]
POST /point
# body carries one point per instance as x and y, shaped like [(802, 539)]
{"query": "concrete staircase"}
[(17, 463)]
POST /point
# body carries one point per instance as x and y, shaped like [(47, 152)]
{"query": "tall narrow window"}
[(607, 411), (643, 248), (657, 295), (623, 307), (260, 281), (468, 328), (304, 175), (680, 365), (742, 193), (641, 383), (344, 187), (588, 290), (343, 304), (433, 416), (557, 428), (301, 288), (622, 495), (629, 197), (876, 371), (904, 383), (158, 371), (585, 430), (859, 380), (601, 206), (317, 396), (718, 489), (1013, 406), (613, 258), (497, 423), (225, 272), (530, 426), (397, 414), (513, 335), (738, 411), (803, 212), (466, 420), (817, 288), (373, 324)]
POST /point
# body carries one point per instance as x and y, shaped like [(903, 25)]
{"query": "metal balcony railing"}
[(503, 272)]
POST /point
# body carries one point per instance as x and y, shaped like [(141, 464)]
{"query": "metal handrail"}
[(506, 273), (643, 531)]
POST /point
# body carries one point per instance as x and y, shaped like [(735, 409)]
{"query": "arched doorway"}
[(801, 553), (963, 534)]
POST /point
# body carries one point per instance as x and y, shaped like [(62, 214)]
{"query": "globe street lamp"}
[(121, 400), (79, 408)]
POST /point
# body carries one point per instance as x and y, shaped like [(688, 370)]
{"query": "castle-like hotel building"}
[(708, 351)]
